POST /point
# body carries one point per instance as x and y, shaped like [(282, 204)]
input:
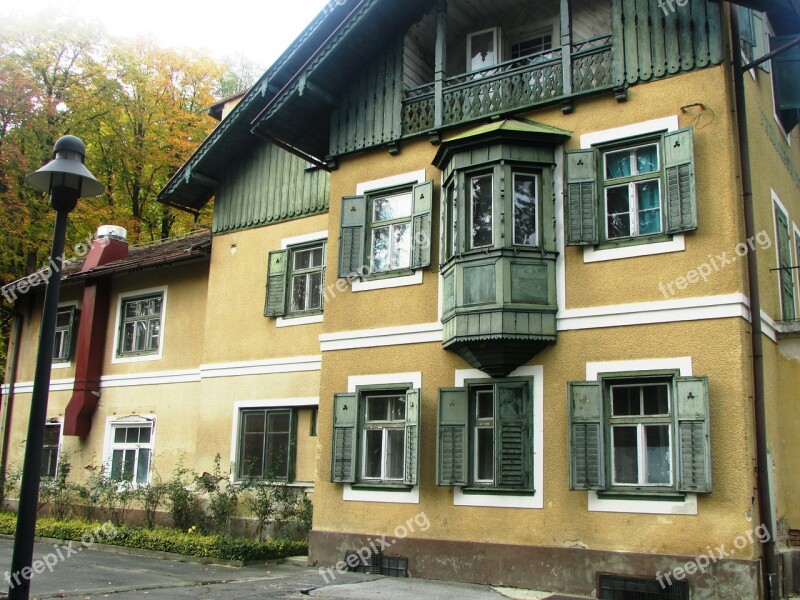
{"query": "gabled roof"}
[(354, 28), (192, 246), (195, 182)]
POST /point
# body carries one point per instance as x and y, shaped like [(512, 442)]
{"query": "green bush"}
[(162, 540)]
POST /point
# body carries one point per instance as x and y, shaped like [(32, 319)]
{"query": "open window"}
[(483, 49), (484, 440), (376, 437), (640, 434), (634, 191), (65, 334), (386, 233)]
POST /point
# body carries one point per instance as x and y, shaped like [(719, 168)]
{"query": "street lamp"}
[(66, 179)]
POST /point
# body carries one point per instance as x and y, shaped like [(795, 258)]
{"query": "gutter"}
[(769, 572), (11, 374)]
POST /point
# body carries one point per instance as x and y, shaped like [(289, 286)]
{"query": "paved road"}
[(92, 574)]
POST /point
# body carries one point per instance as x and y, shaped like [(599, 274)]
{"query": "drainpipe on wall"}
[(765, 508), (11, 379)]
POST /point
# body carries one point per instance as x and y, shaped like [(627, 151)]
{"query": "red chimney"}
[(110, 246)]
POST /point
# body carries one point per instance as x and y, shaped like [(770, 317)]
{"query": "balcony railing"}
[(511, 86)]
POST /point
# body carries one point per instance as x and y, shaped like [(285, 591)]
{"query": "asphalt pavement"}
[(89, 574)]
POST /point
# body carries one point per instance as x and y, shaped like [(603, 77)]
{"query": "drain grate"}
[(615, 587)]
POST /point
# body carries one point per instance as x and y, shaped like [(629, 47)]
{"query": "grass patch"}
[(160, 539)]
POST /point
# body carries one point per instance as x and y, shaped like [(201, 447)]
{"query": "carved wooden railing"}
[(510, 86)]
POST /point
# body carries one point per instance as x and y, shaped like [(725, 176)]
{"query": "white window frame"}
[(390, 224), (678, 242), (497, 40), (116, 357), (112, 423), (53, 423), (64, 364), (286, 244), (640, 436), (411, 496), (384, 427), (272, 404), (365, 188), (685, 506)]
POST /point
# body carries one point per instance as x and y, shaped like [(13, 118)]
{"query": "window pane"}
[(302, 259), (401, 245), (278, 454), (254, 422), (625, 401), (658, 454), (140, 335), (626, 456), (397, 408), (395, 453), (377, 408), (388, 208), (131, 309), (59, 345), (299, 283), (380, 249), (127, 337), (49, 462), (154, 334), (119, 435), (655, 398), (484, 454), (51, 435), (132, 435), (646, 159), (63, 318), (483, 51), (618, 164), (481, 211), (143, 466), (116, 464), (252, 459), (144, 435), (525, 210), (484, 400), (649, 197), (278, 422), (315, 291), (373, 447), (618, 211)]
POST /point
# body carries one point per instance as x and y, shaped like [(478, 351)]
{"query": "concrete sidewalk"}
[(90, 574)]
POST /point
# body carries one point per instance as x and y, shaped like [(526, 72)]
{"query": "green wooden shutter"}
[(413, 398), (513, 435), (747, 32), (692, 434), (276, 283), (761, 39), (580, 208), (345, 443), (786, 273), (586, 436), (680, 202), (423, 203), (351, 240), (786, 83), (452, 450)]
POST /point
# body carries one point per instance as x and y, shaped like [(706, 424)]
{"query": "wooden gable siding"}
[(269, 186), (649, 44), (369, 111)]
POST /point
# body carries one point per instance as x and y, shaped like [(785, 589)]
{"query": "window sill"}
[(641, 495), (380, 493), (389, 281), (494, 498), (131, 358), (294, 321), (496, 491), (603, 253), (640, 505), (381, 487)]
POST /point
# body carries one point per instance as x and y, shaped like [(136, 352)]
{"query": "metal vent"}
[(376, 564), (615, 587)]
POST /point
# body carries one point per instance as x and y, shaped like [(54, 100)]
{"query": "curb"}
[(203, 560)]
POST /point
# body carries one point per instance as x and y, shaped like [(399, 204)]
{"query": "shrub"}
[(184, 506), (223, 498), (152, 497), (162, 540), (9, 484)]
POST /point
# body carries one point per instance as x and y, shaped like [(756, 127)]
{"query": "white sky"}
[(259, 30)]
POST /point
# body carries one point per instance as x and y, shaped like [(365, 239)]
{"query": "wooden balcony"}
[(511, 86)]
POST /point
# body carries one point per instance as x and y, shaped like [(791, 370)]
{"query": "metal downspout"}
[(11, 373), (768, 560)]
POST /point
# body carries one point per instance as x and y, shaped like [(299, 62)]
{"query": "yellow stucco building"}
[(480, 276)]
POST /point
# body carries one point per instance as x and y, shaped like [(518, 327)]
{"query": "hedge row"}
[(160, 539)]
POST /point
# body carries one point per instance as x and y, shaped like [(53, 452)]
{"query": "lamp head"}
[(65, 177)]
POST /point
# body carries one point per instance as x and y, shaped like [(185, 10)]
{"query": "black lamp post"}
[(66, 179)]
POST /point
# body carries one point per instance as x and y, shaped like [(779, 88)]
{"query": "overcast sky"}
[(260, 30)]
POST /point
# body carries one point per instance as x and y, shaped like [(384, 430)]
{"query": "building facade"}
[(498, 258)]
